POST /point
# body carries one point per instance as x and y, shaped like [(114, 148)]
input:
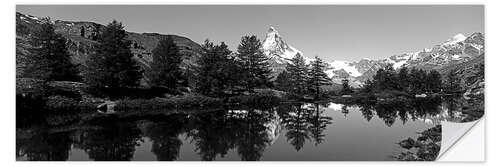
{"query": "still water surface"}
[(290, 131)]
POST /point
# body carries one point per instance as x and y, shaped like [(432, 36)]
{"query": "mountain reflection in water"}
[(290, 131)]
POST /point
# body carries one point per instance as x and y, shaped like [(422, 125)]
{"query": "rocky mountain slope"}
[(471, 74), (81, 39)]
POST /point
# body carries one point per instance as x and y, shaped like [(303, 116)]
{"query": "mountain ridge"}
[(455, 50), (81, 40)]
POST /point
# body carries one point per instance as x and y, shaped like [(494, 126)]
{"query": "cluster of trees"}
[(220, 72), (346, 88), (111, 65), (302, 79), (405, 80)]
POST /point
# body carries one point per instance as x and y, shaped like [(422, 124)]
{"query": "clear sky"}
[(333, 32)]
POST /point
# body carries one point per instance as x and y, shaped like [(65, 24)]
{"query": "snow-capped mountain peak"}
[(458, 48), (343, 65), (276, 48), (28, 18), (271, 30), (455, 39)]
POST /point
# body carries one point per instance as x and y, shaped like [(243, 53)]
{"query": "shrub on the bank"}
[(64, 92), (263, 99), (177, 102), (193, 101), (391, 93), (62, 119), (61, 103)]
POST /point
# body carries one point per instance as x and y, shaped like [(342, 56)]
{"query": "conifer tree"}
[(346, 88), (165, 69), (218, 73), (255, 63), (317, 76), (434, 81), (368, 86), (418, 79), (112, 65), (385, 78), (298, 74), (452, 81), (49, 58), (414, 83), (403, 78), (82, 31), (391, 79), (283, 81)]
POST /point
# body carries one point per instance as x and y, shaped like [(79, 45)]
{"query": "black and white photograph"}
[(245, 82)]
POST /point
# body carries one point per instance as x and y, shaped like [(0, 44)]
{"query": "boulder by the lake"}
[(408, 143), (423, 95), (107, 107)]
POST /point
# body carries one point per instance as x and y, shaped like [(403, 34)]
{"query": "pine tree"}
[(391, 80), (112, 65), (49, 58), (418, 79), (255, 63), (346, 88), (82, 31), (434, 81), (298, 74), (368, 86), (452, 82), (385, 78), (317, 76), (218, 73), (283, 82), (403, 79), (414, 80), (165, 69)]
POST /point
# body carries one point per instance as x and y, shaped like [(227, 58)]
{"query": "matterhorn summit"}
[(276, 48)]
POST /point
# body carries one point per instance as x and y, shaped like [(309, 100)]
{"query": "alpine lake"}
[(290, 131)]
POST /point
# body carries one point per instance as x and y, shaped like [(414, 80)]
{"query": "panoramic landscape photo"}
[(244, 82)]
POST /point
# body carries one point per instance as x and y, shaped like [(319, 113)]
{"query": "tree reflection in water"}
[(304, 121), (390, 111), (295, 122), (211, 134), (164, 135), (247, 130), (114, 140), (253, 135), (43, 146), (318, 123)]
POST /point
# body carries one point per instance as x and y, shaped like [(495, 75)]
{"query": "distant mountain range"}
[(453, 51), (81, 40)]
